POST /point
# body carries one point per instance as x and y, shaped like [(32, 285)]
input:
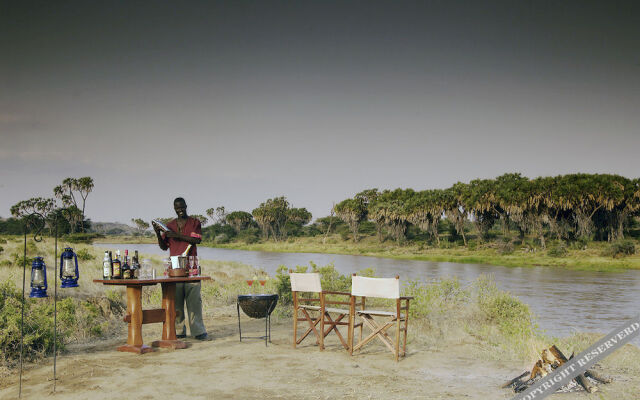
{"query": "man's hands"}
[(181, 237), (161, 241)]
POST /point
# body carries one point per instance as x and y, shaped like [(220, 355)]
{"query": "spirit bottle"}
[(117, 270), (106, 266)]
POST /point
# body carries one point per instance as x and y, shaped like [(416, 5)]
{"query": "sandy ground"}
[(224, 368)]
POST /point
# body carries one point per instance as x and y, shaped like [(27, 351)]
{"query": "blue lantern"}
[(68, 269), (38, 278)]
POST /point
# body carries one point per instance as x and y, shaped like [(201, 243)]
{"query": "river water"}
[(564, 300)]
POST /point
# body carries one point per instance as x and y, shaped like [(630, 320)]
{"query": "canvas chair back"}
[(305, 282), (388, 288)]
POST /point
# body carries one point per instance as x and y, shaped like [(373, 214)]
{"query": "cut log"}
[(581, 379), (594, 375), (514, 380)]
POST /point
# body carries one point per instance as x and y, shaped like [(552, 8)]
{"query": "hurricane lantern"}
[(69, 268), (38, 278)]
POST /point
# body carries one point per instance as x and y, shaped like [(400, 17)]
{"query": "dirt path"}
[(227, 369)]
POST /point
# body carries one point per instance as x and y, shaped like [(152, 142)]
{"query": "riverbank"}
[(589, 258)]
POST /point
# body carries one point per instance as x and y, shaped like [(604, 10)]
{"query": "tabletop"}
[(162, 279)]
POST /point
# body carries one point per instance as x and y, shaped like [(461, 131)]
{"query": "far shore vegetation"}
[(579, 221)]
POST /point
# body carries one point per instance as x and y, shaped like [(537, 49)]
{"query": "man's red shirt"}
[(191, 228)]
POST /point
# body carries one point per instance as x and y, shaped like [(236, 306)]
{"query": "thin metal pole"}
[(266, 334), (24, 269), (55, 305), (239, 328)]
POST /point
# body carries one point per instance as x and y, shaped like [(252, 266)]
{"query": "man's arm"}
[(195, 237), (184, 238), (161, 241)]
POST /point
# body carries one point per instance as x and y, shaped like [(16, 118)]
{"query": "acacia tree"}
[(454, 208), (511, 199), (584, 195), (626, 204), (71, 192), (480, 201), (203, 220), (425, 209), (271, 216), (239, 220), (391, 210), (369, 197), (217, 215), (352, 212), (140, 224), (42, 206)]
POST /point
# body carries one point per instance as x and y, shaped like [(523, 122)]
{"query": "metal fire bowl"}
[(258, 305)]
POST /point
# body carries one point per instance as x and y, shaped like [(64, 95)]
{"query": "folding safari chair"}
[(388, 288), (310, 282)]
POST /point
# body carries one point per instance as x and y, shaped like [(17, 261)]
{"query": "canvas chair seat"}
[(309, 307), (380, 313)]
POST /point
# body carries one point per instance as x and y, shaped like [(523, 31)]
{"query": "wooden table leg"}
[(169, 325), (134, 309)]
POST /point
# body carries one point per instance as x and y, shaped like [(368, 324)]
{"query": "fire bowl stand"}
[(257, 306)]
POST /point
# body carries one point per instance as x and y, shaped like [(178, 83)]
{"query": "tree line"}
[(564, 207)]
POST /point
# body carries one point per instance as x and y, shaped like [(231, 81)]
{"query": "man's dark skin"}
[(181, 210)]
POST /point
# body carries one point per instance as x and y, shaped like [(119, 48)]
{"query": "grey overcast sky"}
[(233, 102)]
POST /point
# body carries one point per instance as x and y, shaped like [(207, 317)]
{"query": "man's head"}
[(180, 206)]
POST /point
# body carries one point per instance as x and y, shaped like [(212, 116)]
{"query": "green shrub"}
[(38, 325), (249, 235), (3, 241), (473, 244), (438, 297), (221, 239), (19, 260), (580, 243), (1, 249), (557, 250), (505, 248), (620, 248), (512, 316), (87, 238), (85, 255)]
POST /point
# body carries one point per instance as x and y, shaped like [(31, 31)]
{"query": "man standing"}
[(184, 231)]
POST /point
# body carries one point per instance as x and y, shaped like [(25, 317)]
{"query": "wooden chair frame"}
[(379, 330), (333, 324), (324, 319)]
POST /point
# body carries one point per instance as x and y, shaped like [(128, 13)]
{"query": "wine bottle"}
[(135, 266), (126, 269)]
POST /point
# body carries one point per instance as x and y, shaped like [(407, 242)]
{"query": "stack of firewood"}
[(551, 359)]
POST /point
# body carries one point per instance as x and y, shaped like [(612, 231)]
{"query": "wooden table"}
[(136, 316)]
